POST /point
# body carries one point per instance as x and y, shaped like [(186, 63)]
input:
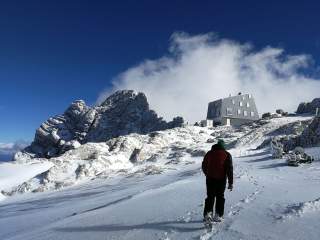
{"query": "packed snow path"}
[(270, 201)]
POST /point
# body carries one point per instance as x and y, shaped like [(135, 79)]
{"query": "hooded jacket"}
[(217, 164)]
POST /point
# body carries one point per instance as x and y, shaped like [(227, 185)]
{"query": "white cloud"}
[(11, 148), (202, 68)]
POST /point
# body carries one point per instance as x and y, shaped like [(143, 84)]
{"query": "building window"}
[(239, 111), (248, 105), (252, 114), (240, 104), (233, 102), (243, 98), (245, 113), (229, 111), (249, 96)]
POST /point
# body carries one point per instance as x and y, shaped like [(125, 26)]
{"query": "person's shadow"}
[(179, 226)]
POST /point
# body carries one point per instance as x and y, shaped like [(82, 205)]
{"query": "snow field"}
[(164, 200)]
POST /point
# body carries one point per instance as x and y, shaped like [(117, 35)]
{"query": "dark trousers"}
[(215, 193)]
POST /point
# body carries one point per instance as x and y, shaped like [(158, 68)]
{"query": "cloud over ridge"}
[(203, 68)]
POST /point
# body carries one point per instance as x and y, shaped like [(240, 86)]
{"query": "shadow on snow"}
[(165, 226)]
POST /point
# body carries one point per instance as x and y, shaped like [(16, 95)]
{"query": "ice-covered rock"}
[(309, 107)]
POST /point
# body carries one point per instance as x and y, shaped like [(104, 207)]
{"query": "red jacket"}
[(217, 164)]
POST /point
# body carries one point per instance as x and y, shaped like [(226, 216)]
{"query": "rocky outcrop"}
[(122, 113), (126, 112), (266, 115), (311, 135), (308, 138), (63, 132), (281, 112), (309, 107)]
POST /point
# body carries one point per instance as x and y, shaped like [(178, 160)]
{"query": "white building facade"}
[(233, 110)]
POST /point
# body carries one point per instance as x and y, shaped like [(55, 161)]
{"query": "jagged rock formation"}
[(309, 107), (122, 113), (63, 132), (126, 112)]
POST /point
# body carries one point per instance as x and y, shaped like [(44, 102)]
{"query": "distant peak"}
[(122, 95)]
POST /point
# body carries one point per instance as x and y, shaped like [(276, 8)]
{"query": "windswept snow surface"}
[(270, 200), (12, 174)]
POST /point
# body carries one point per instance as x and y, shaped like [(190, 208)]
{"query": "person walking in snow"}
[(217, 167)]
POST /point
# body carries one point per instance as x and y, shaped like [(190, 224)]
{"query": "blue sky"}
[(53, 52)]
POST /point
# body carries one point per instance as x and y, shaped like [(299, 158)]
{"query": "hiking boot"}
[(217, 218), (208, 217)]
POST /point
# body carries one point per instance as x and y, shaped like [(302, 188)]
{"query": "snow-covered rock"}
[(298, 156), (293, 158), (122, 113), (276, 149), (266, 115), (308, 138), (126, 112), (311, 135), (259, 134), (281, 112), (127, 154), (60, 133)]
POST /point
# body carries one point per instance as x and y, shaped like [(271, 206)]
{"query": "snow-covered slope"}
[(151, 187), (270, 201), (12, 175), (154, 152)]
